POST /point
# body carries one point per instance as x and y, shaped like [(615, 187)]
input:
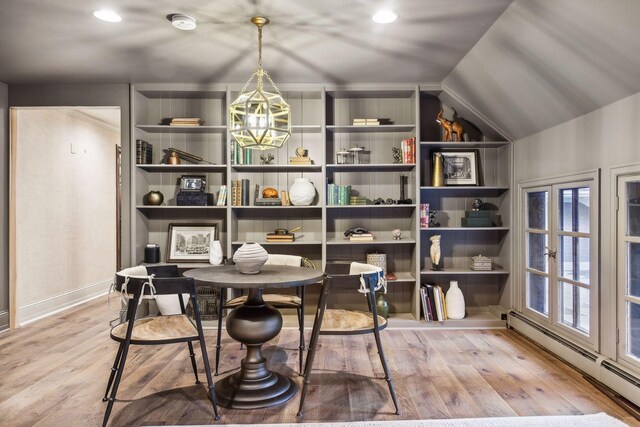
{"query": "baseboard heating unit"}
[(593, 364)]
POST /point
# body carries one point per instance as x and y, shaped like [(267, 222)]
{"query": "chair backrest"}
[(136, 285), (349, 275)]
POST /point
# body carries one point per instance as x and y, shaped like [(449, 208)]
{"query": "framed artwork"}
[(190, 242), (460, 166), (193, 182)]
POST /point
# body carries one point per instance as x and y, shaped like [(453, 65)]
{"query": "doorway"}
[(65, 215)]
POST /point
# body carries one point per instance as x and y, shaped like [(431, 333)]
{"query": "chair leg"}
[(211, 387), (301, 347), (387, 377), (192, 356), (219, 337), (114, 390), (313, 345), (113, 372)]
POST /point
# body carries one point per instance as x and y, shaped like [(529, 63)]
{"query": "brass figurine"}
[(450, 128), (173, 159)]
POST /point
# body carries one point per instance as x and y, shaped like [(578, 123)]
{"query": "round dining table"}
[(253, 324)]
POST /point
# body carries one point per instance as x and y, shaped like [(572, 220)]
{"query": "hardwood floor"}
[(54, 373)]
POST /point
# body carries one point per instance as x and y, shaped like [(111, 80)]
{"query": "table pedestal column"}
[(254, 386)]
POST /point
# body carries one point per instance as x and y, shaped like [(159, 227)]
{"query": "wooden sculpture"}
[(450, 127)]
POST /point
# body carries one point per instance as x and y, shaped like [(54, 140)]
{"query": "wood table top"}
[(270, 276)]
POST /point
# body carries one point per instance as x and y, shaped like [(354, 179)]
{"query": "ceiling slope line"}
[(450, 92)]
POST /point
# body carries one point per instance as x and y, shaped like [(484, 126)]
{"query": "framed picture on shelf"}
[(460, 167), (190, 242)]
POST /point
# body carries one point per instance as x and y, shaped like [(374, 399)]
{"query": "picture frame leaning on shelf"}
[(460, 167), (190, 242)]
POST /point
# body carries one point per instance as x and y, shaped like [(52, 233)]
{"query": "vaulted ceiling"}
[(523, 65)]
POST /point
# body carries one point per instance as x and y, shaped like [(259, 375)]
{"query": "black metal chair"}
[(279, 301), (330, 321), (156, 330)]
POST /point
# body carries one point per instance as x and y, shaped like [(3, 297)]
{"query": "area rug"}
[(594, 420)]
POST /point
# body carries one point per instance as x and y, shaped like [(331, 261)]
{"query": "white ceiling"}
[(328, 41)]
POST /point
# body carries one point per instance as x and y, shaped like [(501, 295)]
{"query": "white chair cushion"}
[(359, 267), (277, 259)]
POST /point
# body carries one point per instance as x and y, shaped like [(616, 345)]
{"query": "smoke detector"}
[(183, 22)]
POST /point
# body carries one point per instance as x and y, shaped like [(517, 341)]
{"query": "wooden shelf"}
[(402, 277), (160, 208), (346, 241), (445, 229), (467, 188), (183, 168), (395, 167), (371, 206), (477, 317), (277, 207), (182, 129), (471, 144), (277, 168), (370, 129), (301, 241), (458, 271)]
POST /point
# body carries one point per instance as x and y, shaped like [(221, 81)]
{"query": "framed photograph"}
[(460, 166), (190, 242), (192, 182)]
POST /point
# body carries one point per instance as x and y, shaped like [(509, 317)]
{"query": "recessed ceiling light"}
[(183, 22), (107, 15), (384, 17)]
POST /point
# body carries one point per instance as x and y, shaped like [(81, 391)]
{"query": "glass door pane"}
[(633, 333), (633, 208), (537, 242)]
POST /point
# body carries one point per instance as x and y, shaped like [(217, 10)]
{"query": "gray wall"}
[(605, 138), (70, 95), (4, 205)]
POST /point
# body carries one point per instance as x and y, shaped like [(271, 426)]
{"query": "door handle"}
[(551, 252)]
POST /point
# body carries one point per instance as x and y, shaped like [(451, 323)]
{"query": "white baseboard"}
[(4, 320), (46, 307)]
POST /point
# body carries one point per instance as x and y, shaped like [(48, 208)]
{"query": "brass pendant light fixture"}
[(259, 119)]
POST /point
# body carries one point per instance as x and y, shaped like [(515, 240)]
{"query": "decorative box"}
[(194, 198), (477, 219)]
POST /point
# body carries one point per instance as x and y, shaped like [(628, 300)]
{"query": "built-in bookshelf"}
[(323, 124)]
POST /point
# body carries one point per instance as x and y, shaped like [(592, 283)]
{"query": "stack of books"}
[(357, 200), (409, 150), (240, 192), (371, 122), (338, 195), (433, 303), (274, 237), (480, 263), (364, 237), (424, 215), (186, 121), (300, 161), (222, 196), (271, 201), (144, 152), (239, 155)]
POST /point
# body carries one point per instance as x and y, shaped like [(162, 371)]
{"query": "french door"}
[(560, 268), (629, 269)]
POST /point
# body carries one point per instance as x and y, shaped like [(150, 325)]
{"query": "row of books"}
[(222, 196), (239, 155), (409, 150), (186, 121), (433, 303), (240, 194), (338, 195), (424, 215), (144, 152), (372, 122)]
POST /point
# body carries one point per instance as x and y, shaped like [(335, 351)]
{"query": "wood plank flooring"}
[(54, 371)]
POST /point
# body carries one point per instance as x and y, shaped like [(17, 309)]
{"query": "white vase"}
[(302, 192), (250, 258), (215, 252), (455, 301)]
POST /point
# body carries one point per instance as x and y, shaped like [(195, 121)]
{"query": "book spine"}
[(424, 215), (424, 303), (232, 152), (347, 195), (405, 152), (246, 193), (413, 150)]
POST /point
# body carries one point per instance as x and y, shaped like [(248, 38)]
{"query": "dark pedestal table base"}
[(255, 386)]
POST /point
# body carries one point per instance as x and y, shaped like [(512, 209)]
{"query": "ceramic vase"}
[(153, 198), (250, 258), (302, 192), (455, 301), (382, 306), (215, 252)]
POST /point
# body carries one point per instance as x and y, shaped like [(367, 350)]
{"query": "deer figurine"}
[(450, 127)]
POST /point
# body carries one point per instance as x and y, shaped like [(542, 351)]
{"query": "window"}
[(559, 272), (629, 268)]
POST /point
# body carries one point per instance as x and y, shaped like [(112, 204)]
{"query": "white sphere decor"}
[(302, 192), (250, 258), (455, 301)]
